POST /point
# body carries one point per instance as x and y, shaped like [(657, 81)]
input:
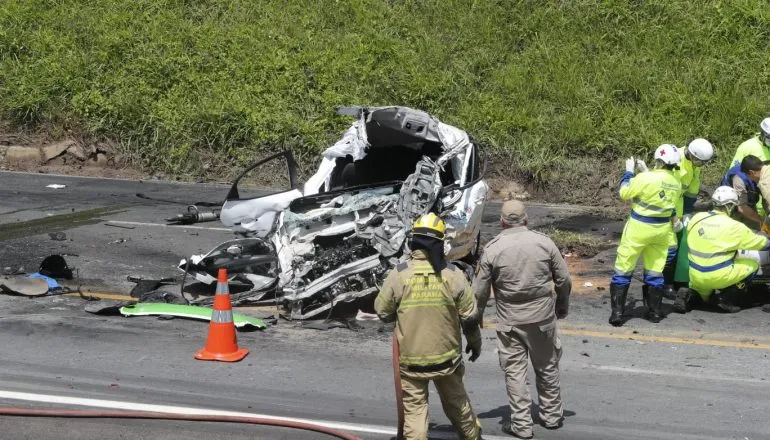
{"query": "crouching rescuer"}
[(648, 232), (713, 239), (431, 301)]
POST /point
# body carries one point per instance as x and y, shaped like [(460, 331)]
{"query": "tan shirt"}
[(524, 268), (764, 185), (740, 189), (429, 310)]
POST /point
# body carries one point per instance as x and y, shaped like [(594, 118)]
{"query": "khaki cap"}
[(513, 212)]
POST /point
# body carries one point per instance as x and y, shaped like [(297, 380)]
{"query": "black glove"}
[(474, 348)]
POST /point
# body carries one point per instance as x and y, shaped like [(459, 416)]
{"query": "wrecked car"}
[(337, 237)]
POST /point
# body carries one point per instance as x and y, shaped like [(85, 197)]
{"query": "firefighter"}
[(713, 239), (648, 231), (431, 301)]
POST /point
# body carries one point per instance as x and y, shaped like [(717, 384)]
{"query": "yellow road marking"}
[(649, 338), (565, 330)]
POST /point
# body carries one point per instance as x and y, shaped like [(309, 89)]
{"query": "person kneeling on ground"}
[(714, 239)]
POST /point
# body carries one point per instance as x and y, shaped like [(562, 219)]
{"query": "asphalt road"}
[(699, 376)]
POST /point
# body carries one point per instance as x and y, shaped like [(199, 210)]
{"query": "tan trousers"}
[(539, 343), (454, 400)]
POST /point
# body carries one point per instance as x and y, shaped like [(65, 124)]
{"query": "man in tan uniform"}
[(524, 267), (431, 301)]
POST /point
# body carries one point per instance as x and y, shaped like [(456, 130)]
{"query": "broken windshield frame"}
[(291, 165)]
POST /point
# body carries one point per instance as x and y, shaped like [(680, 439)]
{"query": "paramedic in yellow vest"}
[(431, 301), (713, 239), (648, 231), (698, 153), (758, 146)]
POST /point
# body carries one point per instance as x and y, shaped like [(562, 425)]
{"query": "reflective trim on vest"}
[(646, 205), (700, 254), (429, 360), (222, 316), (651, 220), (713, 268)]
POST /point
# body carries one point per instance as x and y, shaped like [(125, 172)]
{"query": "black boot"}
[(724, 300), (618, 295), (654, 300), (669, 272), (682, 300)]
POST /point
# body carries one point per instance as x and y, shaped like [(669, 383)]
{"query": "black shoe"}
[(722, 301), (553, 427), (509, 430), (618, 295), (654, 301), (669, 292), (682, 302)]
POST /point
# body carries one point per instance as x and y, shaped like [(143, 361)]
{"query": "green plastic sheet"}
[(184, 311)]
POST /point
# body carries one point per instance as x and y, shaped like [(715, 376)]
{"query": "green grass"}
[(558, 90), (576, 243)]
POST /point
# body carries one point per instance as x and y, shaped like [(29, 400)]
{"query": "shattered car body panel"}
[(336, 241)]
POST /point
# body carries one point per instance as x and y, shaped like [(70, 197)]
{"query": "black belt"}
[(432, 368)]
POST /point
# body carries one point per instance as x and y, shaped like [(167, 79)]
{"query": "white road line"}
[(131, 406), (120, 222)]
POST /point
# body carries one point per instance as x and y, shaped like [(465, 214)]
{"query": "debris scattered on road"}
[(194, 215), (363, 316), (55, 266), (144, 286), (58, 236), (585, 354), (119, 226), (120, 240), (22, 285), (55, 186), (588, 284), (242, 322)]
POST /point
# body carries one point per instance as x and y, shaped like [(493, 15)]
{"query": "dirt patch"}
[(590, 277)]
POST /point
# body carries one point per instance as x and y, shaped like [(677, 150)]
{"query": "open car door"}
[(254, 210)]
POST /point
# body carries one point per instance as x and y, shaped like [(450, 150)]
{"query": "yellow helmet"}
[(429, 225)]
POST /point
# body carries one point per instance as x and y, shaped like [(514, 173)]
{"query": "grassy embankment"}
[(558, 90)]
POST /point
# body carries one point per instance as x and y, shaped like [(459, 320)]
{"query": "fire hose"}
[(397, 382), (113, 414)]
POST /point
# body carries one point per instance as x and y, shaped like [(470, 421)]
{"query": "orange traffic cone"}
[(221, 344)]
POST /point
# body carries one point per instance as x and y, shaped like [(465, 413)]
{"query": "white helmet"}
[(701, 149), (668, 154), (725, 195), (764, 129)]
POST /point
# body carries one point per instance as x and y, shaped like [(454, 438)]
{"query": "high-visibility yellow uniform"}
[(648, 232), (429, 310), (689, 175), (751, 147), (713, 239)]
